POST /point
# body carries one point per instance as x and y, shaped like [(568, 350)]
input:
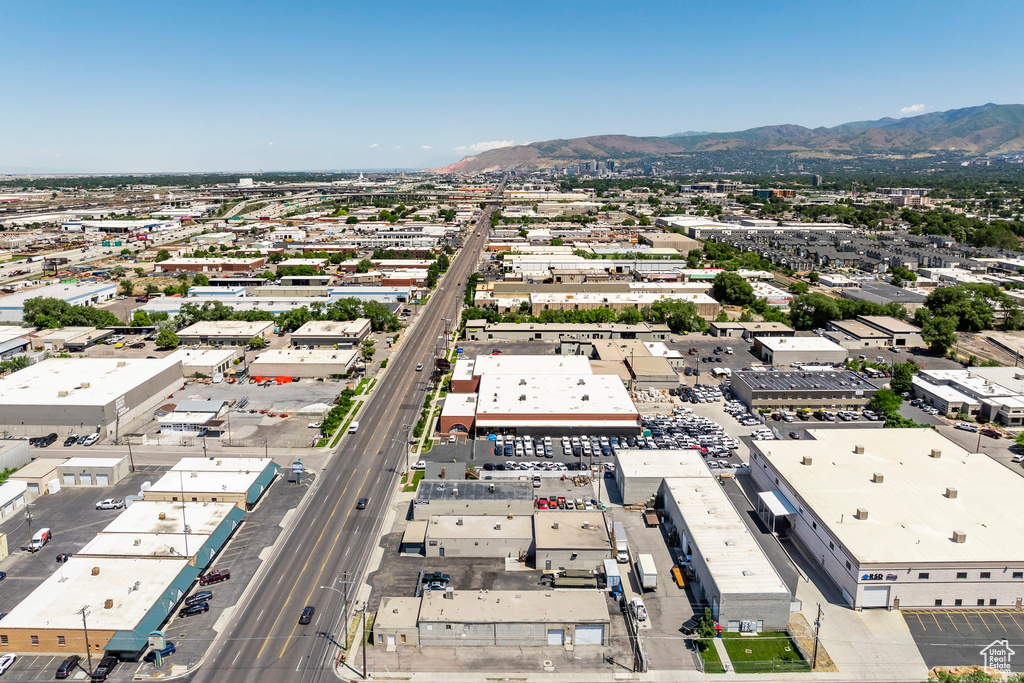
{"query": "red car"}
[(991, 433), (214, 577), (543, 504)]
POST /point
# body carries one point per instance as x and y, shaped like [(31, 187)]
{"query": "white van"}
[(353, 428), (728, 350)]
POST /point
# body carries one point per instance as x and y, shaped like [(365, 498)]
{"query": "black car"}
[(361, 503), (794, 435), (488, 467), (198, 597), (105, 668), (48, 440), (70, 441), (3, 575), (307, 614), (67, 666), (192, 610)]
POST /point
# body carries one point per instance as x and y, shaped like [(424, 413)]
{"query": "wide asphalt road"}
[(263, 640)]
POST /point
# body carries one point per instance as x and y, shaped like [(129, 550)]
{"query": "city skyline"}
[(316, 86)]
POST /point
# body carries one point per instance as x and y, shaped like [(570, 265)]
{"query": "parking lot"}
[(74, 521), (957, 637)]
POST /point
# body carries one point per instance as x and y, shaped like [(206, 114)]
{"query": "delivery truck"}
[(612, 577), (646, 572), (39, 539), (621, 546)]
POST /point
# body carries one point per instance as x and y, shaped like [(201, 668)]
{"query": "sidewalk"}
[(723, 655)]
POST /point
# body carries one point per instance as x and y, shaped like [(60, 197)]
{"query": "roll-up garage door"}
[(589, 635), (556, 636), (85, 479), (69, 480), (102, 479), (875, 596)]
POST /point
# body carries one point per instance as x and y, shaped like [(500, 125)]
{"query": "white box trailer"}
[(647, 572), (612, 577)]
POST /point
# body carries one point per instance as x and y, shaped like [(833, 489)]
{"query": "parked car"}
[(71, 440), (67, 666), (6, 661), (91, 439), (639, 610), (965, 427), (168, 649), (307, 614), (110, 504), (104, 668), (214, 577), (192, 610), (991, 433), (197, 597)]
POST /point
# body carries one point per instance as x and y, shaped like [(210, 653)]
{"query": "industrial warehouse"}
[(898, 518), (85, 394)]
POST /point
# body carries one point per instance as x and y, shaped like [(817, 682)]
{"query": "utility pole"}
[(817, 628), (85, 627), (28, 518), (131, 458), (362, 636)]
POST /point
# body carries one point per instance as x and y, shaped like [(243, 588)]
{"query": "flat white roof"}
[(56, 603), (526, 606), (205, 482), (910, 518), (84, 462), (618, 297), (297, 356), (142, 545), (11, 490), (332, 327), (943, 391), (531, 365), (459, 405), (107, 379), (573, 396), (646, 464), (479, 526), (814, 343), (143, 517), (733, 556), (227, 327), (203, 357), (67, 292), (576, 530)]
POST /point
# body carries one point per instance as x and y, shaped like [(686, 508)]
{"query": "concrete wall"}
[(477, 547), (524, 634), (115, 473), (16, 454), (423, 510)]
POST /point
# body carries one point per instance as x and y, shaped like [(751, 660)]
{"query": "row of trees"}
[(679, 315)]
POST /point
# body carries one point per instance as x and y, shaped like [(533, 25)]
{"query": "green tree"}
[(746, 316), (167, 340), (126, 252), (730, 288), (886, 401), (141, 319), (364, 266), (200, 280), (629, 222), (938, 332), (116, 272), (722, 317), (162, 255), (151, 288), (367, 350), (644, 221), (351, 220), (902, 376), (679, 315), (706, 624), (813, 277), (627, 316), (798, 287), (126, 287), (257, 342), (557, 242), (139, 272)]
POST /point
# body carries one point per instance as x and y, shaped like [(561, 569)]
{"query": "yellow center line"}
[(299, 576), (313, 586)]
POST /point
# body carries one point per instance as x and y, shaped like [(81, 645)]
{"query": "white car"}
[(110, 504), (91, 439), (420, 465), (6, 661), (314, 425), (638, 608)]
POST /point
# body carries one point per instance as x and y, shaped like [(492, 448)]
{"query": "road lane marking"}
[(236, 658), (264, 610), (316, 584), (304, 566)]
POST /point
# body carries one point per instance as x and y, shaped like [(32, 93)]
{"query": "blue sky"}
[(293, 85)]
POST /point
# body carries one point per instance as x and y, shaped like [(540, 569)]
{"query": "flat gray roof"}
[(804, 381), (447, 489)]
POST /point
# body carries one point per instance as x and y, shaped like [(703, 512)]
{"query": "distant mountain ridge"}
[(986, 129)]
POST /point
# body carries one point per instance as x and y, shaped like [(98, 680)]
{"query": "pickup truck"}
[(110, 504), (214, 577)]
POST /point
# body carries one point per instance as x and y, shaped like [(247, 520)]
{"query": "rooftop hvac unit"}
[(862, 513), (162, 516), (137, 541), (878, 477), (959, 536), (554, 525), (108, 604), (85, 385), (522, 397), (62, 394), (586, 397), (951, 492), (95, 571), (497, 527), (936, 453), (458, 522), (859, 450), (522, 382), (586, 525), (807, 460)]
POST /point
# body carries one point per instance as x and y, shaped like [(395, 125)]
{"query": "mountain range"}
[(986, 129)]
